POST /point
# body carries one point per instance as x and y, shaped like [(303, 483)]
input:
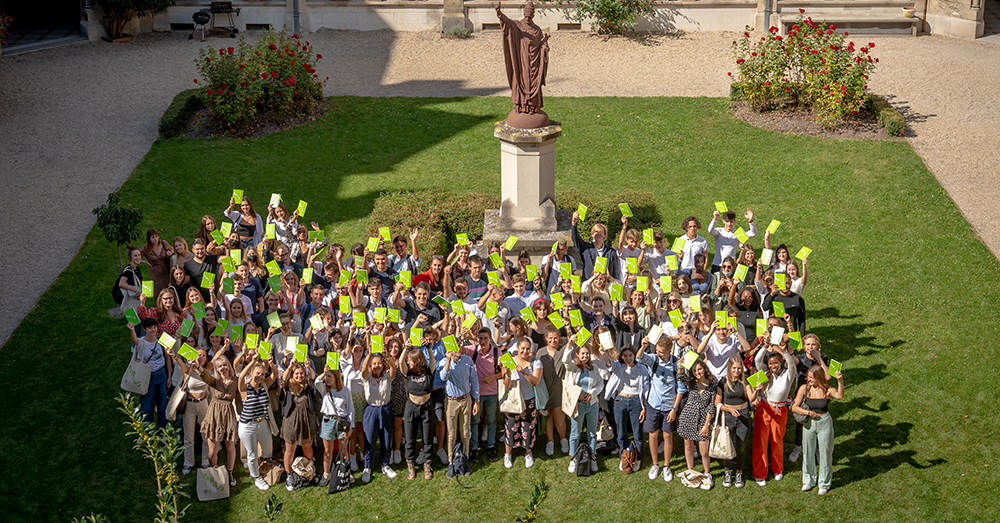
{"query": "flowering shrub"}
[(610, 16), (276, 74), (4, 22), (810, 66)]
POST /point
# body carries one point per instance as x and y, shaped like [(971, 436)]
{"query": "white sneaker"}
[(260, 483), (593, 465), (806, 488), (529, 461), (508, 461), (823, 491), (186, 471), (668, 475), (354, 463), (572, 466), (654, 471), (778, 477), (387, 470), (367, 475), (796, 454), (550, 448), (620, 466), (636, 466), (760, 481), (397, 457), (443, 456), (564, 446)]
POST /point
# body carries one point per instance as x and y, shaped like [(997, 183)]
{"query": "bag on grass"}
[(213, 483), (340, 476), (629, 455), (271, 470), (304, 467), (583, 456), (460, 461), (296, 482)]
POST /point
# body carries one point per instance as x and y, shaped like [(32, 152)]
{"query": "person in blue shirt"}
[(521, 298), (462, 388), (431, 343), (664, 403)]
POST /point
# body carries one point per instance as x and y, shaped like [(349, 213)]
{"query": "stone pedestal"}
[(528, 190)]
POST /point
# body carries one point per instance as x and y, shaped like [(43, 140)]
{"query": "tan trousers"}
[(194, 413), (458, 416)]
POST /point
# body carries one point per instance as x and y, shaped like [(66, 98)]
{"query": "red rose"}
[(767, 83), (230, 50), (195, 80), (801, 10), (263, 75), (319, 57), (274, 47), (729, 74), (210, 91)]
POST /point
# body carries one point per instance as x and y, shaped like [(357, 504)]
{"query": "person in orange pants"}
[(772, 412)]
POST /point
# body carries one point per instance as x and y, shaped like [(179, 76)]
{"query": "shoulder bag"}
[(722, 441), (136, 377), (511, 401), (178, 400)]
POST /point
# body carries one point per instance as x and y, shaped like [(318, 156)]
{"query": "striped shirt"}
[(256, 405)]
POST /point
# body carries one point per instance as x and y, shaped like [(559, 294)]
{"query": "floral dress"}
[(696, 410)]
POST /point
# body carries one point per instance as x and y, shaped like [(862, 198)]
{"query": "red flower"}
[(263, 75), (195, 80), (871, 45), (729, 74), (801, 10), (230, 50), (296, 92), (274, 47), (210, 91), (833, 27), (767, 83), (319, 57), (845, 33), (222, 51)]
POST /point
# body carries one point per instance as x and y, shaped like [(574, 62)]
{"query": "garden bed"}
[(802, 120), (202, 125)]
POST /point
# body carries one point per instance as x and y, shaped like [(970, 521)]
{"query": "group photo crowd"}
[(270, 344)]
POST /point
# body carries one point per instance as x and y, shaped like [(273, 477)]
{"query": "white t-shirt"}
[(692, 248), (623, 257), (717, 354), (658, 261), (527, 389)]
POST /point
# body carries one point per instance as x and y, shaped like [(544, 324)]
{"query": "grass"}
[(900, 291)]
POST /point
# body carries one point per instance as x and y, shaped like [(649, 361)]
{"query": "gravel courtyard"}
[(77, 119)]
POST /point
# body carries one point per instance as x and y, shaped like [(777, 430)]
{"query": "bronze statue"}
[(526, 55)]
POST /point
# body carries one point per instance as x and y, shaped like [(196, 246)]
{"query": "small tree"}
[(609, 16), (537, 497), (119, 223), (272, 509), (163, 448), (117, 13)]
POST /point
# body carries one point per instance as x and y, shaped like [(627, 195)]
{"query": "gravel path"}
[(77, 119)]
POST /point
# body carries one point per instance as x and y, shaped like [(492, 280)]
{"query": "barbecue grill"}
[(216, 8)]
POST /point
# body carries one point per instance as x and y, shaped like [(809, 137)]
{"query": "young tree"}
[(119, 223)]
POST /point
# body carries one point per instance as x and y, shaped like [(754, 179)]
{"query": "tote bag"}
[(571, 398), (177, 399), (722, 442), (213, 483), (511, 401), (136, 377)]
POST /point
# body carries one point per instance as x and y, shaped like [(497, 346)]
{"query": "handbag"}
[(178, 400), (272, 423), (541, 395), (571, 398), (722, 441), (271, 470), (136, 377), (304, 467), (340, 476), (801, 419), (213, 483), (604, 432), (511, 401)]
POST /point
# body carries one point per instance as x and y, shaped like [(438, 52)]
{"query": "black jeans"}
[(414, 417)]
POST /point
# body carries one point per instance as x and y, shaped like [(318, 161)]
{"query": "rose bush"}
[(810, 66), (278, 73)]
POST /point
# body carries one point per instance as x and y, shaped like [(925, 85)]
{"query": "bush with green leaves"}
[(278, 74), (610, 16), (118, 13), (813, 65), (439, 216), (605, 210), (119, 223)]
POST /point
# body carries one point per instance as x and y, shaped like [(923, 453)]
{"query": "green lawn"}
[(901, 291)]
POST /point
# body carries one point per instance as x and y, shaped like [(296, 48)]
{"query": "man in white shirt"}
[(693, 243), (656, 256), (726, 242)]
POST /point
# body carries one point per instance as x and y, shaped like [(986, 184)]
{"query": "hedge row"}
[(605, 210), (185, 104)]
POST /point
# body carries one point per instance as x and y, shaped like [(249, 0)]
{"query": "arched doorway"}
[(37, 23)]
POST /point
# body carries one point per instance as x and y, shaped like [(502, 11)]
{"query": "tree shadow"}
[(909, 115), (868, 434)]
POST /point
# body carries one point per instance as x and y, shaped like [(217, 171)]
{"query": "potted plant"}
[(117, 14)]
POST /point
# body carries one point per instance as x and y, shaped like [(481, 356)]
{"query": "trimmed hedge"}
[(440, 216), (185, 104), (605, 210), (886, 115)]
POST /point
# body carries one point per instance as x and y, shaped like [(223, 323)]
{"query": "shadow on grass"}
[(846, 341), (869, 434)]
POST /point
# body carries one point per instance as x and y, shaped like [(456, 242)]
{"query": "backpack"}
[(340, 476), (629, 456), (460, 461), (583, 456)]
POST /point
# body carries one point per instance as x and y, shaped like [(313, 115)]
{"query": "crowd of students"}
[(275, 331)]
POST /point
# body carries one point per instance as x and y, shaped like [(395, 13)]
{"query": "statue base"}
[(527, 121), (538, 243)]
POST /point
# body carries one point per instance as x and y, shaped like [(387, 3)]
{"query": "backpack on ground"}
[(460, 461), (340, 476), (584, 456), (629, 456)]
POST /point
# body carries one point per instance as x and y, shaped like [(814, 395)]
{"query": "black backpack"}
[(583, 456), (340, 476), (460, 461), (116, 291)]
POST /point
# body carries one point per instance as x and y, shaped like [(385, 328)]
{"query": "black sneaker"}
[(451, 471), (492, 453), (474, 456)]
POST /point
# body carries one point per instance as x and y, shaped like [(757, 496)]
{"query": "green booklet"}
[(741, 273), (756, 379), (274, 282), (678, 246), (576, 318), (625, 209), (344, 304), (450, 343), (269, 232), (671, 260), (462, 238), (272, 268), (778, 308), (676, 318), (302, 208), (565, 270), (616, 290), (803, 253), (721, 319), (641, 283), (407, 278), (273, 320), (186, 326), (556, 320), (531, 272), (781, 281), (647, 236), (508, 361), (576, 282), (373, 244), (361, 276), (316, 322), (147, 289), (581, 209), (225, 229), (494, 278), (694, 302), (307, 275), (187, 352), (496, 260), (228, 285), (601, 265), (227, 264), (132, 316), (528, 316), (761, 327), (721, 207), (511, 242), (333, 360), (632, 265), (666, 284), (557, 301), (582, 336), (378, 314), (458, 307), (359, 319), (416, 336), (207, 279), (378, 343), (392, 315), (167, 341), (441, 301), (742, 235), (469, 321), (835, 367), (301, 351), (238, 196), (264, 349), (774, 226), (198, 310), (689, 358), (385, 233), (492, 309)]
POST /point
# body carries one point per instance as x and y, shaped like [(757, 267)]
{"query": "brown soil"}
[(802, 121), (202, 125)]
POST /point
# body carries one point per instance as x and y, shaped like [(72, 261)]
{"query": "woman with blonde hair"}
[(220, 424), (733, 397), (582, 371), (813, 400), (336, 416), (182, 253), (298, 413), (196, 407)]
